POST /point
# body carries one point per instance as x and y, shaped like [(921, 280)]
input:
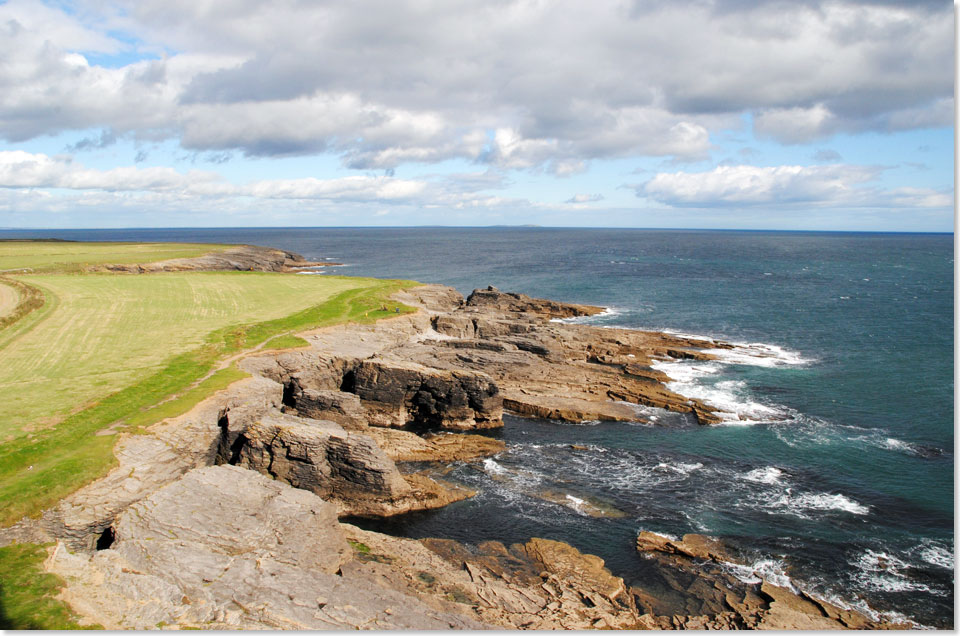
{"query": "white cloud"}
[(747, 186), (538, 85), (20, 170)]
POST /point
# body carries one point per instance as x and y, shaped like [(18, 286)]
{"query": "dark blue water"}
[(837, 467)]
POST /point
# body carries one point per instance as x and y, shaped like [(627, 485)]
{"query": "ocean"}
[(834, 468)]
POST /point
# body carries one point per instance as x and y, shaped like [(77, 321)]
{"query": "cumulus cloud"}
[(547, 86), (746, 186)]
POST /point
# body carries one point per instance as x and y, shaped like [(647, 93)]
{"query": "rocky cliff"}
[(230, 516)]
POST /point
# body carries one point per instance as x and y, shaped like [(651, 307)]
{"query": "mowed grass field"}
[(105, 349), (109, 331), (67, 255)]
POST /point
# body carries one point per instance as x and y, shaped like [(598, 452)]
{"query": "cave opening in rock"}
[(106, 539)]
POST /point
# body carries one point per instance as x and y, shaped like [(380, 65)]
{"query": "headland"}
[(230, 515)]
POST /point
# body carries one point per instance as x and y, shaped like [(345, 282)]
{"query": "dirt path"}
[(8, 299)]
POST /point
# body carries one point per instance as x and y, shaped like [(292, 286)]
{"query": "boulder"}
[(696, 546)]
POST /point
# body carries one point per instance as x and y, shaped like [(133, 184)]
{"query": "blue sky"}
[(831, 115)]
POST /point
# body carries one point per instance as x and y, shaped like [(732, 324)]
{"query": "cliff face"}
[(227, 516)]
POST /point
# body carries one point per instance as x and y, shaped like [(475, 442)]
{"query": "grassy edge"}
[(28, 595), (38, 471)]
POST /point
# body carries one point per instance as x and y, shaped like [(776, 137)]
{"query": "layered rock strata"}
[(348, 469)]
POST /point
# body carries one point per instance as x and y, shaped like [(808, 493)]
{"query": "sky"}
[(735, 114)]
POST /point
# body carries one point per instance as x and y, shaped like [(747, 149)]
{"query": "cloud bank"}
[(514, 84)]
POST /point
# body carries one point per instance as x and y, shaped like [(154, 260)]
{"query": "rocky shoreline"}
[(246, 258), (229, 516)]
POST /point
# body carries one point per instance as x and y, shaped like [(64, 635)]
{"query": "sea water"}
[(833, 468)]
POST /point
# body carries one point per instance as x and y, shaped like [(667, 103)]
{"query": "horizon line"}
[(465, 227)]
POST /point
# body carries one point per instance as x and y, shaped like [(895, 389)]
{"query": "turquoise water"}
[(837, 466)]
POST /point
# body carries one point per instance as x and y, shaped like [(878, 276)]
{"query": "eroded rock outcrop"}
[(492, 299), (541, 584), (241, 258), (404, 446), (398, 394), (692, 566), (348, 469), (227, 548)]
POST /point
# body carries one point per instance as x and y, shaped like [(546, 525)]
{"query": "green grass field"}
[(62, 256)]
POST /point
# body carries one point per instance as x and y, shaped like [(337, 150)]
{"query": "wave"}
[(493, 468), (769, 570), (679, 467), (884, 572), (759, 354), (728, 397), (933, 553), (799, 504), (607, 312), (768, 475)]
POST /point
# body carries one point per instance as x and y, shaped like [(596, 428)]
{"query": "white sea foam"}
[(789, 502), (896, 444), (768, 570), (727, 397), (879, 439), (768, 475), (606, 313), (886, 573), (759, 354), (688, 336), (493, 468), (578, 504), (937, 554), (680, 467)]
